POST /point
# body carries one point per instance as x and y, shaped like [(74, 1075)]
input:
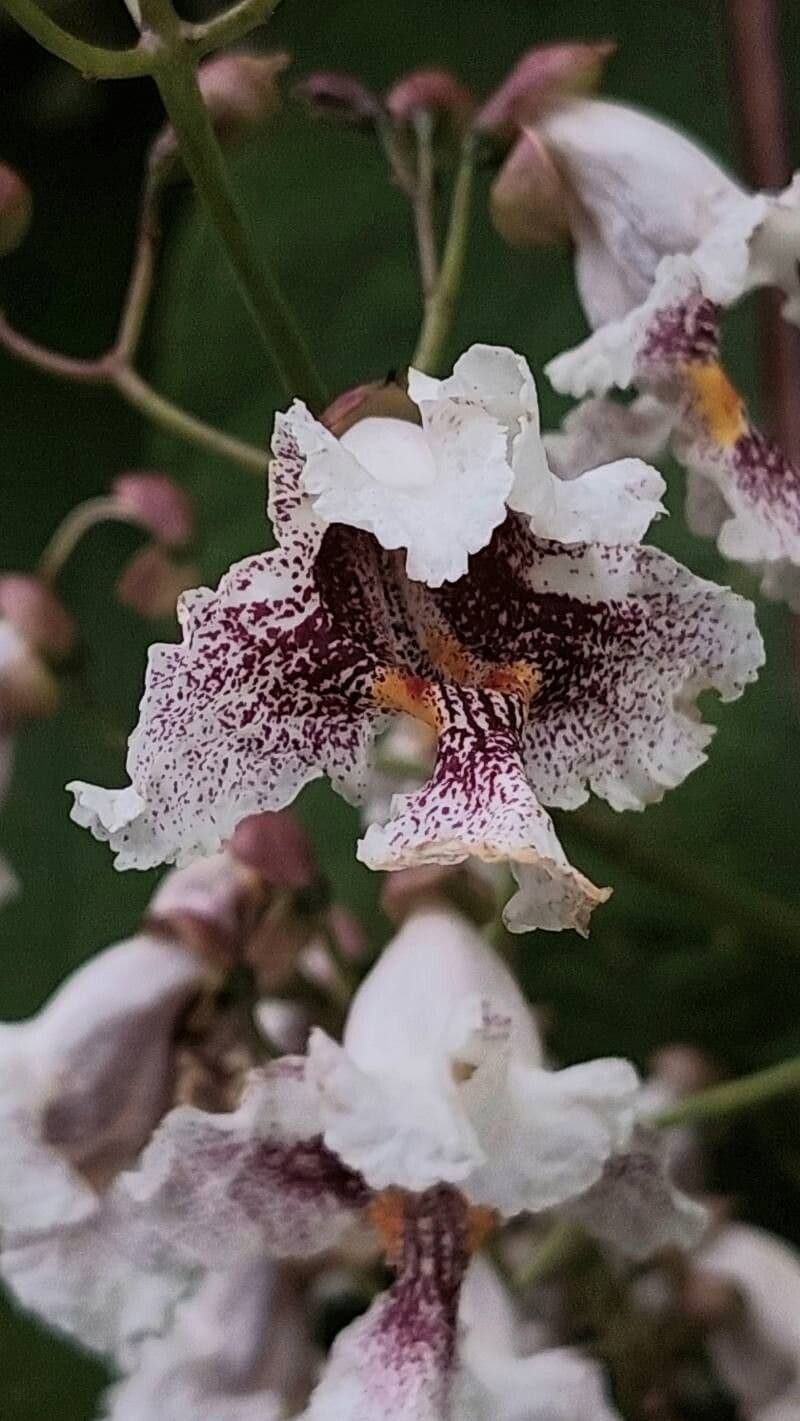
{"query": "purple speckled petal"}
[(211, 1188), (270, 688), (620, 641), (479, 803), (397, 1361), (669, 347)]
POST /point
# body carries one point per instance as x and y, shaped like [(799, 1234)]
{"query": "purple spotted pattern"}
[(256, 1181), (397, 1361), (566, 666), (758, 486)]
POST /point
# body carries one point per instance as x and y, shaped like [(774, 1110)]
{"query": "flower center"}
[(719, 405), (394, 452)]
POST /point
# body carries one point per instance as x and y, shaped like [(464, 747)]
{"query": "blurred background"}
[(659, 967)]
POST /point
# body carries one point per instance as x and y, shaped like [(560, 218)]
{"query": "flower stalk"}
[(731, 1097), (440, 309)]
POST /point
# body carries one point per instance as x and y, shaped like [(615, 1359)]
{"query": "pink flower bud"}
[(431, 91), (206, 906), (241, 91), (158, 504), (16, 209), (339, 98), (27, 689), (277, 848), (379, 398), (529, 200), (151, 583), (37, 614), (685, 1069), (541, 78)]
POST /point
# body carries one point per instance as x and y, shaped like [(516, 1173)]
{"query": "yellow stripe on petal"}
[(718, 403), (412, 695)]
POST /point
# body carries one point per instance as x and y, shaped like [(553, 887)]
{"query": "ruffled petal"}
[(397, 1361), (499, 1381), (479, 803), (605, 430), (614, 504), (214, 1361), (212, 1188), (635, 1207), (619, 642), (94, 1281), (268, 690), (670, 346), (545, 1135), (642, 190), (438, 492)]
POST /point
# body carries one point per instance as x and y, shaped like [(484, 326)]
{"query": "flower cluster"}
[(249, 1107)]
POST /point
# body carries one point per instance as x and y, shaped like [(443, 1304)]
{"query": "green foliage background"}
[(657, 967)]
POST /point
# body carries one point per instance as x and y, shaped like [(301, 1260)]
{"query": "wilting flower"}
[(742, 488), (433, 1120), (753, 1327), (544, 668), (635, 189)]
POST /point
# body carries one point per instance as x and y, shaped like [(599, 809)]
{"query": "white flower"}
[(742, 488), (440, 488), (639, 190), (497, 1381), (756, 1352)]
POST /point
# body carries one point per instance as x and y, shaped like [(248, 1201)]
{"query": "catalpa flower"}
[(754, 1341), (742, 488), (85, 1081), (433, 1120), (499, 1379), (630, 190), (551, 666)]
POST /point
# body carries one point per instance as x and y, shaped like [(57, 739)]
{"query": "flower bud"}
[(431, 91), (35, 612), (151, 583), (277, 848), (379, 398), (285, 1024), (16, 209), (158, 504), (541, 78), (207, 906), (347, 932), (529, 199), (339, 98), (241, 91), (27, 687)]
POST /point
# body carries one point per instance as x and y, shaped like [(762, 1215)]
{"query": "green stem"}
[(767, 918), (110, 370), (441, 309), (69, 533), (140, 284), (178, 422), (732, 1096), (176, 78), (91, 59), (423, 205), (231, 25)]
